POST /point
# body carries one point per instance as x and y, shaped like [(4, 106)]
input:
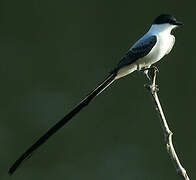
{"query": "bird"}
[(157, 42)]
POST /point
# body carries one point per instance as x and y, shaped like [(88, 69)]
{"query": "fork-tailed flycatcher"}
[(149, 49)]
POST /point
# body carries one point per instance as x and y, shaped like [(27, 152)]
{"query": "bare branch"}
[(152, 87)]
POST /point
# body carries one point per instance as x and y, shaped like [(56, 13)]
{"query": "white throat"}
[(161, 28)]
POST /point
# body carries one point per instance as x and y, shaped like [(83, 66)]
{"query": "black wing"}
[(141, 49)]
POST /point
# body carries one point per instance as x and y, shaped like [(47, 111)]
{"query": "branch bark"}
[(152, 87)]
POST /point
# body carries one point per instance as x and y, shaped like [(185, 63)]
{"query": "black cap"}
[(167, 18)]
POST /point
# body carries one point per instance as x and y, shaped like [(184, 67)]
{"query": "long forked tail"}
[(62, 122)]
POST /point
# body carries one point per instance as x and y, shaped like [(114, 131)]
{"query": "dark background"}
[(52, 53)]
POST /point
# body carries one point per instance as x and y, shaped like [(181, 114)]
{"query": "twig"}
[(152, 87)]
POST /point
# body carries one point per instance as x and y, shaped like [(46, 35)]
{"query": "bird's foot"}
[(151, 86), (152, 68), (151, 73)]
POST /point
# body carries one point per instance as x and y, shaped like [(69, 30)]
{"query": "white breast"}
[(171, 45), (165, 42)]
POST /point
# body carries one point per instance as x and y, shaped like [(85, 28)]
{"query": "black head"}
[(167, 18)]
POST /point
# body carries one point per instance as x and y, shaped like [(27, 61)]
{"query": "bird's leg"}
[(146, 72), (150, 68), (151, 73)]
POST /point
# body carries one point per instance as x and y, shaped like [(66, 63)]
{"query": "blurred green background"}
[(52, 53)]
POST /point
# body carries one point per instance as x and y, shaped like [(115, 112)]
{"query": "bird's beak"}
[(178, 23)]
